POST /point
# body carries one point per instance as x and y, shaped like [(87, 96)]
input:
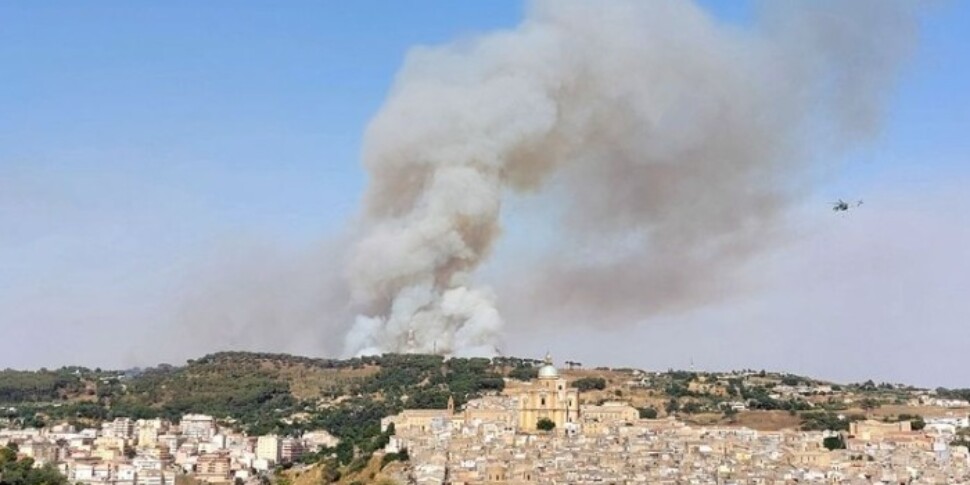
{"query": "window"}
[(543, 402)]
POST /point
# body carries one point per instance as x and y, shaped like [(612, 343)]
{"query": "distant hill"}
[(262, 389), (263, 392), (258, 391)]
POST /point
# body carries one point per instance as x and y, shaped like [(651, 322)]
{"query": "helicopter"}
[(843, 206)]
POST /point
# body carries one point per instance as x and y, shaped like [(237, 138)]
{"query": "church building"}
[(546, 397)]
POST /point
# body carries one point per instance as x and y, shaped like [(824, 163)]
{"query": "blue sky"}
[(136, 137), (132, 135)]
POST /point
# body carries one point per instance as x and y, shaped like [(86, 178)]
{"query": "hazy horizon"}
[(182, 179)]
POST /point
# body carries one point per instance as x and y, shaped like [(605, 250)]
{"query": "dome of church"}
[(548, 371)]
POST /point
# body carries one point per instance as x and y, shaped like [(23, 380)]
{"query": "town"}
[(427, 200), (548, 425), (154, 451), (500, 440)]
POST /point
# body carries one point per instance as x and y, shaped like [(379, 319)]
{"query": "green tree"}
[(820, 421), (834, 443), (524, 373), (790, 380), (589, 383), (391, 457), (917, 423), (545, 424), (8, 454), (23, 472), (869, 404), (676, 389), (648, 413)]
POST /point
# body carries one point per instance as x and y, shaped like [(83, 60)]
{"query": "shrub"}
[(545, 424)]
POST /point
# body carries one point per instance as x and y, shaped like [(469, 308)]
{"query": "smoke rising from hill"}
[(672, 143)]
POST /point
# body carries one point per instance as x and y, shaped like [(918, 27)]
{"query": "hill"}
[(263, 393)]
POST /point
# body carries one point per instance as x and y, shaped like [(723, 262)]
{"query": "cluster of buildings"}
[(801, 390), (496, 439), (155, 451), (931, 400), (533, 432)]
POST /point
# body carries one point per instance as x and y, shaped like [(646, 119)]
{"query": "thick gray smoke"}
[(673, 143)]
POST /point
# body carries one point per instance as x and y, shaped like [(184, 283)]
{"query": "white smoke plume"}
[(673, 144)]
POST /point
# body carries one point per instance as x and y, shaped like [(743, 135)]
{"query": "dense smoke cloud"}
[(672, 143)]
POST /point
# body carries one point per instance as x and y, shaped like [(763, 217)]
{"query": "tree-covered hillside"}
[(276, 393), (258, 392), (243, 385), (43, 385)]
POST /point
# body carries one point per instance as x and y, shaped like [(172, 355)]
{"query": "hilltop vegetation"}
[(263, 392), (260, 393), (43, 385)]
